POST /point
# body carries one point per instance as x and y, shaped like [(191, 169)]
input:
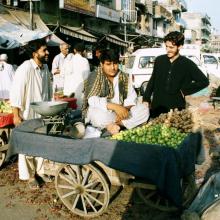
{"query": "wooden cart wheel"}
[(3, 141), (154, 200), (151, 197), (2, 157), (83, 189)]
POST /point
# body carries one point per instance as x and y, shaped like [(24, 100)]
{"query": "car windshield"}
[(194, 59), (146, 62), (209, 59), (130, 62)]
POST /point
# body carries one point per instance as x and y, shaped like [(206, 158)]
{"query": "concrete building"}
[(215, 43), (200, 23), (167, 17)]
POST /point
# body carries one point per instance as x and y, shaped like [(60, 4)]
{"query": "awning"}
[(23, 18), (77, 32), (12, 35), (116, 40)]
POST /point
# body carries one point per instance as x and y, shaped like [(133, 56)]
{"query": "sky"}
[(210, 7)]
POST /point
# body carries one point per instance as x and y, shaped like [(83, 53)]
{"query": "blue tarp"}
[(155, 164)]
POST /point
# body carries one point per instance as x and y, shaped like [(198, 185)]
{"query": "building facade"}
[(199, 23), (123, 23)]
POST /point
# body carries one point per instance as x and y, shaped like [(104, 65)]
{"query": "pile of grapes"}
[(152, 134), (181, 120)]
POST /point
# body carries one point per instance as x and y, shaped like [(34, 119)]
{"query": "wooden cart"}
[(6, 124), (84, 187)]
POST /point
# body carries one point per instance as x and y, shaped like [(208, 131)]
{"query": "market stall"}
[(162, 167)]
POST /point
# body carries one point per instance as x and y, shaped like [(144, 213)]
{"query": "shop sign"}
[(107, 13), (82, 6)]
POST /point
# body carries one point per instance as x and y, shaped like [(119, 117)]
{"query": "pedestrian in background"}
[(174, 77), (6, 77), (57, 64), (31, 84), (76, 70)]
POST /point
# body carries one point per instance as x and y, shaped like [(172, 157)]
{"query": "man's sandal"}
[(46, 178), (33, 184)]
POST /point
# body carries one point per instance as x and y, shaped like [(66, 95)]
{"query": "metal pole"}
[(31, 14), (125, 32)]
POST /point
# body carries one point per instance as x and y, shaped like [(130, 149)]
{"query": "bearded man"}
[(174, 77), (110, 101), (31, 84)]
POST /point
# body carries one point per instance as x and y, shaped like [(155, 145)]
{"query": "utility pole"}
[(31, 14), (125, 32)]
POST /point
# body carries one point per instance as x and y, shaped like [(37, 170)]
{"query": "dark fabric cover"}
[(162, 166)]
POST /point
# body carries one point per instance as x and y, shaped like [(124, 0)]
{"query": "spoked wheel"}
[(151, 197), (3, 141), (83, 189), (2, 157), (154, 200)]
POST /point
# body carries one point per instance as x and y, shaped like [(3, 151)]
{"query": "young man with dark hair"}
[(174, 77), (31, 84), (110, 100)]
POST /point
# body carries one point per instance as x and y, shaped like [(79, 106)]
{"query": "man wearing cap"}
[(6, 77)]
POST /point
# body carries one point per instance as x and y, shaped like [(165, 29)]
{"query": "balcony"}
[(206, 28), (161, 12), (205, 38), (175, 6), (206, 19), (183, 5)]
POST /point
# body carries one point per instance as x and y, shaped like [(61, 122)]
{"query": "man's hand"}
[(57, 71), (147, 104), (121, 111), (17, 120)]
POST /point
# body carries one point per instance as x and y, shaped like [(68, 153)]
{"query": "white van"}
[(140, 64), (212, 63)]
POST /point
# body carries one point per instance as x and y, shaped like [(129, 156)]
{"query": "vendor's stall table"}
[(81, 174)]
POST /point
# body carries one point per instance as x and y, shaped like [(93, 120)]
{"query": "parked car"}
[(140, 64), (211, 63)]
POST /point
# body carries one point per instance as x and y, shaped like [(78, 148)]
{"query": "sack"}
[(207, 200), (212, 212)]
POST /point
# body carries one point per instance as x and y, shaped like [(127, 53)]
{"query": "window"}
[(130, 62), (146, 62), (209, 59)]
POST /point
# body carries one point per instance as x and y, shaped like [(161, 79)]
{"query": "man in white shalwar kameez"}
[(6, 77), (57, 65), (31, 84), (110, 100), (76, 70)]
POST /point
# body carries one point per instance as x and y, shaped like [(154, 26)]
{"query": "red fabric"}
[(6, 119), (72, 102)]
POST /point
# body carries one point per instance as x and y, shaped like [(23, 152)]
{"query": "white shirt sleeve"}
[(86, 70), (17, 93), (55, 64), (98, 102), (132, 95), (11, 73)]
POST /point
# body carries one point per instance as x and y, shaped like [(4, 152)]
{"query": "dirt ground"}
[(18, 202)]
